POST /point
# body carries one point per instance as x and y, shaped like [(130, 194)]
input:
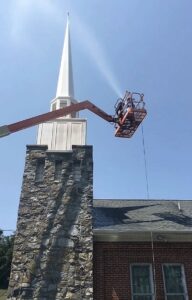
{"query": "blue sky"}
[(137, 45)]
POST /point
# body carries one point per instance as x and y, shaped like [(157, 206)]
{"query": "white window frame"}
[(151, 280), (185, 294)]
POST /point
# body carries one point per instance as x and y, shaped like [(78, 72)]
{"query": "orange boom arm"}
[(123, 127)]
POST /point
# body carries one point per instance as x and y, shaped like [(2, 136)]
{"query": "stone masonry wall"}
[(53, 246)]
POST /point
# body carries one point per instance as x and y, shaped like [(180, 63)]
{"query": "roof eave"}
[(142, 236)]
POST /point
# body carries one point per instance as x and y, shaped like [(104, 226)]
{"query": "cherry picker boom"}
[(129, 113)]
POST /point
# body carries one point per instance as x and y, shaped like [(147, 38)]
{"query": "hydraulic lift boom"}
[(129, 114)]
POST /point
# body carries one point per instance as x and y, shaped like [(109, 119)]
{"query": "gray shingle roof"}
[(142, 215)]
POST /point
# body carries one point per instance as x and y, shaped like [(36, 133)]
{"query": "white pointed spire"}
[(60, 134), (65, 80)]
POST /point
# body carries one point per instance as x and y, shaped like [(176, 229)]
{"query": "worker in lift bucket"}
[(129, 102), (119, 108), (119, 111)]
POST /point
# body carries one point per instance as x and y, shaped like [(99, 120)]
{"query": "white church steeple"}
[(65, 80), (69, 130), (65, 89)]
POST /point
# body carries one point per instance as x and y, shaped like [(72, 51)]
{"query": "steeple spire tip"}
[(65, 81)]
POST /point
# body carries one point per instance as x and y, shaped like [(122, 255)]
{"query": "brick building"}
[(142, 250)]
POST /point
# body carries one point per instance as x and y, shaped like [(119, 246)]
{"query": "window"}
[(40, 168), (174, 282), (77, 171), (58, 169), (63, 104), (53, 106), (73, 114), (142, 282)]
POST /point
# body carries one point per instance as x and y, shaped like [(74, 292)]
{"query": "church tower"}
[(52, 257)]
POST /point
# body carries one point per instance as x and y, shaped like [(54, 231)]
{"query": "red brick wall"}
[(112, 266)]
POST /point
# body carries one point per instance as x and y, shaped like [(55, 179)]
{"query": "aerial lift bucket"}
[(130, 112)]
